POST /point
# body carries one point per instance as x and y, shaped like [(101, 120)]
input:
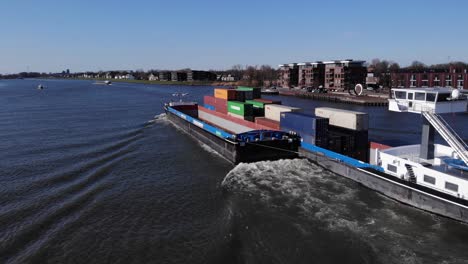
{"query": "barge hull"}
[(236, 152), (396, 189)]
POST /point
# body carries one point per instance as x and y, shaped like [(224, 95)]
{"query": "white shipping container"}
[(344, 118), (273, 111), (222, 123), (236, 116)]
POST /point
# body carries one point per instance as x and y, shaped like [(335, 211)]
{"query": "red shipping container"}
[(374, 145), (234, 119), (219, 104), (266, 101), (271, 124)]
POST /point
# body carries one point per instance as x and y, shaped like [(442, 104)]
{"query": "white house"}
[(227, 78), (153, 77)]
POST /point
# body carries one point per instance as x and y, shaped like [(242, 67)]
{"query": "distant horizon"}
[(52, 36), (196, 69)]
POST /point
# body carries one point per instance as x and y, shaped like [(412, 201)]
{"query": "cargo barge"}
[(428, 176), (250, 146)]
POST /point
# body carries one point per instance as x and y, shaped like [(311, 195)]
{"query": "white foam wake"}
[(161, 118), (339, 205), (321, 195)]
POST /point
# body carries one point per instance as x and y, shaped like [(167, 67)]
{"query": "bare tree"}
[(417, 65), (394, 67)]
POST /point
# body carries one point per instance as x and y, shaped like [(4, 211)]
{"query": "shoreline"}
[(366, 100), (193, 83)]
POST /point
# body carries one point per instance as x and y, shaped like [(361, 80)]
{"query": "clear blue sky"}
[(93, 35)]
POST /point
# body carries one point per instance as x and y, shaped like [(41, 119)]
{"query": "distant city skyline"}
[(52, 36)]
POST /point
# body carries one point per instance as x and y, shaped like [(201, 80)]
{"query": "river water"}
[(96, 174)]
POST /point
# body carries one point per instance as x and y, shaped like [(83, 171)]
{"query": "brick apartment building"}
[(288, 75), (456, 77), (201, 76), (311, 74), (165, 76), (333, 75), (178, 76), (344, 75)]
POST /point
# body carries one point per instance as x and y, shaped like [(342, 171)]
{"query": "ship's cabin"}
[(442, 172), (437, 100)]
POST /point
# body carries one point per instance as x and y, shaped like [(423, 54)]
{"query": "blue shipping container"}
[(311, 138), (305, 123), (210, 107)]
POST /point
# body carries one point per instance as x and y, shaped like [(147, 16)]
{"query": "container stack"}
[(259, 105), (348, 132), (241, 110), (248, 93), (246, 103), (273, 111), (312, 129), (215, 103), (272, 114)]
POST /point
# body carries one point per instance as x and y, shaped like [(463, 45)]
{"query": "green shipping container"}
[(240, 108), (245, 88), (256, 92), (255, 104)]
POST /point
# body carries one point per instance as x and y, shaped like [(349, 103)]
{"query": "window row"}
[(448, 185)]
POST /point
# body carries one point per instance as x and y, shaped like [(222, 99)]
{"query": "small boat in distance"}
[(270, 91), (106, 82)]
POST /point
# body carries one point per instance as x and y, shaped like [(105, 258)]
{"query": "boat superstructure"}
[(436, 166), (438, 100)]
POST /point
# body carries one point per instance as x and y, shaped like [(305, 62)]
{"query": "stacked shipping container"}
[(272, 124), (348, 132), (249, 92), (219, 104), (312, 129), (338, 130), (273, 111), (240, 110)]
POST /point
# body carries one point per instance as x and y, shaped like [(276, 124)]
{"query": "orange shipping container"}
[(226, 94)]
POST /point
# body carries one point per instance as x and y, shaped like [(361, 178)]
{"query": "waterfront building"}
[(288, 75), (226, 78), (344, 75), (311, 74), (200, 76), (153, 77), (372, 81), (453, 76), (333, 75), (165, 76), (178, 76)]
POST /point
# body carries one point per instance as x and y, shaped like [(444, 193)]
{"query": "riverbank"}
[(192, 83), (367, 100)]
